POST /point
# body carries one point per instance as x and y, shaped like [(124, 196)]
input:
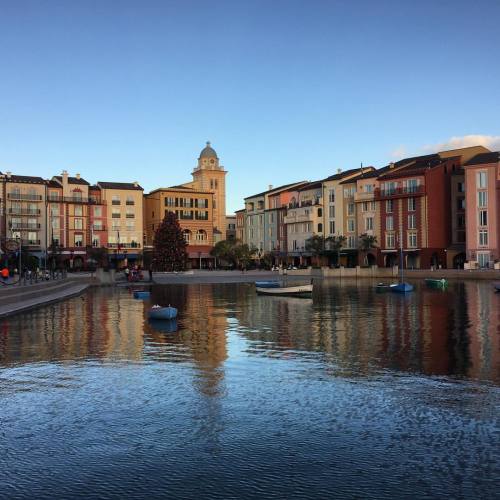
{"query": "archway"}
[(412, 261), (390, 260), (459, 261), (434, 260), (370, 259)]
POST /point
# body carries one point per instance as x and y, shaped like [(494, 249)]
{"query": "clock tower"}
[(210, 176)]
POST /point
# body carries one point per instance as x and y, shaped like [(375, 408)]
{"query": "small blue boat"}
[(164, 325), (157, 312), (141, 294), (401, 288), (267, 284)]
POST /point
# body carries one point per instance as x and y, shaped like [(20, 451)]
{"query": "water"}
[(354, 394)]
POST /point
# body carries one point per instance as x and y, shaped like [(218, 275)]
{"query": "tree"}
[(366, 243), (244, 254), (333, 245), (226, 251), (98, 256), (169, 246), (316, 245)]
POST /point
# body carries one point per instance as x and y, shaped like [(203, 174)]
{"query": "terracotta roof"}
[(73, 180), (52, 183), (277, 189), (341, 175), (25, 178), (311, 185), (120, 185), (483, 158)]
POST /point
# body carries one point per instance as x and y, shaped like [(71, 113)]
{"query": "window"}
[(115, 200), (116, 213), (332, 227), (389, 240), (79, 224), (411, 204), (320, 212), (483, 217), (350, 225), (483, 238), (388, 188), (351, 242), (349, 192), (54, 210), (130, 214), (78, 240), (364, 206), (412, 221), (389, 206), (331, 211), (372, 206), (130, 200), (481, 180), (369, 223), (331, 195), (350, 209), (368, 188), (97, 226), (389, 223), (201, 235), (55, 223), (211, 183), (77, 194), (78, 210), (482, 199), (130, 225), (96, 242), (461, 221), (412, 240), (115, 226), (483, 258), (461, 187), (33, 238), (187, 235), (410, 186), (97, 211), (460, 203), (320, 228)]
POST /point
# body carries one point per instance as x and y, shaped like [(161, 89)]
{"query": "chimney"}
[(391, 165), (136, 184), (64, 176), (8, 174), (77, 176), (270, 187), (339, 170)]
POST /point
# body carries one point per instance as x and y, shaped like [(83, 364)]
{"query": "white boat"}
[(287, 290)]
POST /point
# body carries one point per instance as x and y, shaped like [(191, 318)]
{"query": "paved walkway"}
[(16, 299)]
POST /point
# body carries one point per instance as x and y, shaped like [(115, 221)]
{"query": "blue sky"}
[(285, 90)]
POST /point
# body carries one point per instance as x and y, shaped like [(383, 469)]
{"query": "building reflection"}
[(348, 328)]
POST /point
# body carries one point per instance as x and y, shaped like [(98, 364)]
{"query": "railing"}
[(25, 197), (75, 199), (98, 228), (23, 225), (130, 216), (124, 245), (115, 202), (115, 216), (30, 243), (364, 196), (400, 191), (130, 202), (24, 211)]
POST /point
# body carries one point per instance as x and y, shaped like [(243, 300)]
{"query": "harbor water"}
[(350, 394)]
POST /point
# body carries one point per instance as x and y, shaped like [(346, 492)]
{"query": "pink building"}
[(482, 195)]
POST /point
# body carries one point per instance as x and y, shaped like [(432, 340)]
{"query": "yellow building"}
[(194, 212), (210, 176), (124, 221)]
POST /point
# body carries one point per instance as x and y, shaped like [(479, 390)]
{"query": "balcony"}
[(30, 243), (400, 192), (98, 228), (24, 197), (116, 202), (364, 196), (124, 245), (24, 225), (24, 211), (75, 199)]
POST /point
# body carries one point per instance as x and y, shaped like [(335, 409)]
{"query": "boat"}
[(298, 291), (384, 287), (141, 294), (401, 287), (158, 312), (164, 325), (496, 286), (436, 283), (267, 284)]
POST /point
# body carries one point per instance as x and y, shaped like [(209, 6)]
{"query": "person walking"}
[(150, 271), (5, 274)]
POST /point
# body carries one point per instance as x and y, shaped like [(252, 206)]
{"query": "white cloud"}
[(399, 152), (492, 142)]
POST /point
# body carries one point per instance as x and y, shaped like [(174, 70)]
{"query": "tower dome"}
[(208, 152)]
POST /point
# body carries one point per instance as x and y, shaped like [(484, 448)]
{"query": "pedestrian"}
[(150, 271), (5, 274), (127, 273)]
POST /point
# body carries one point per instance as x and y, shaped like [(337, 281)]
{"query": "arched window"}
[(187, 235), (201, 235)]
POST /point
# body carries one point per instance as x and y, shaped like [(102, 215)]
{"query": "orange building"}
[(194, 212)]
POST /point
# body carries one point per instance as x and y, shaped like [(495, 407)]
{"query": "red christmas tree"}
[(169, 246)]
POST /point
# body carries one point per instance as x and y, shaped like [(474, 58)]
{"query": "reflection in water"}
[(274, 396)]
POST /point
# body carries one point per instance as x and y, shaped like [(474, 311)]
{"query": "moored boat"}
[(299, 290), (401, 287), (267, 284), (164, 325), (384, 287), (496, 286), (141, 294), (436, 283), (158, 312)]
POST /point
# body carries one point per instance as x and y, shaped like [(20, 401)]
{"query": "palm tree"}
[(316, 245), (366, 243)]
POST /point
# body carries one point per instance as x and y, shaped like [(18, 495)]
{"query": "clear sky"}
[(285, 90)]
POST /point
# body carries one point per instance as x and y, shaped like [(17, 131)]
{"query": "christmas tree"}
[(169, 246)]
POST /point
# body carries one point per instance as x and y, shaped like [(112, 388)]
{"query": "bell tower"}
[(209, 175)]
